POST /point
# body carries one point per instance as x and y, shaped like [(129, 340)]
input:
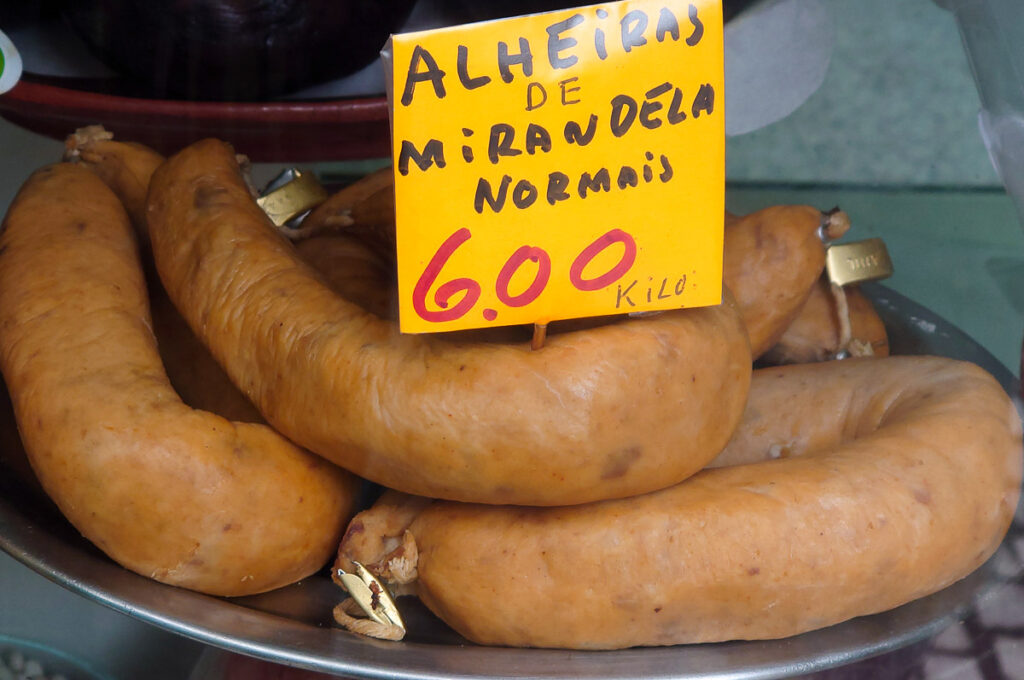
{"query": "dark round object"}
[(467, 11), (235, 50)]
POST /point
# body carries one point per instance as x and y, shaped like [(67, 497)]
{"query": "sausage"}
[(353, 270), (365, 209), (182, 496), (815, 333), (194, 374), (353, 263), (126, 168), (772, 256), (609, 412), (850, 487), (772, 259), (368, 203)]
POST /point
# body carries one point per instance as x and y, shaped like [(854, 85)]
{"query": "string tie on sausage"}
[(347, 615)]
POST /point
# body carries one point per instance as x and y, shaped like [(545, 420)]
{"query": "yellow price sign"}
[(559, 165)]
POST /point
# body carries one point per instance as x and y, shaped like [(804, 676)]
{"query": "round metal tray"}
[(293, 625)]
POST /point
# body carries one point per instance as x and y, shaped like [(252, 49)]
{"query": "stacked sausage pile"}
[(632, 482)]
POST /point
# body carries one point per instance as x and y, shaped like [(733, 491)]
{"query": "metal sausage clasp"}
[(291, 194), (373, 599), (851, 263)]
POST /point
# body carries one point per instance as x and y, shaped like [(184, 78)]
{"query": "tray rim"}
[(285, 131)]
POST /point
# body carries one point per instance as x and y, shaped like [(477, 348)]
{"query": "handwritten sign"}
[(559, 165)]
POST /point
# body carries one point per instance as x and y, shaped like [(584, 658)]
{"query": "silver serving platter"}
[(293, 625)]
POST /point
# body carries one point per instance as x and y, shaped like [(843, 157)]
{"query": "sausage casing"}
[(850, 488), (182, 496), (608, 412)]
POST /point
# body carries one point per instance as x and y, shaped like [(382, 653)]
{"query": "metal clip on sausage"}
[(857, 262), (851, 263), (373, 599), (288, 198)]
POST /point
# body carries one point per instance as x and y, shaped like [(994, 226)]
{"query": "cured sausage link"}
[(772, 259), (607, 412), (182, 496), (197, 378), (815, 334), (853, 487), (125, 167)]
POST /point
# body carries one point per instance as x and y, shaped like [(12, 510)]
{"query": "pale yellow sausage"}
[(182, 496), (609, 412), (855, 486)]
